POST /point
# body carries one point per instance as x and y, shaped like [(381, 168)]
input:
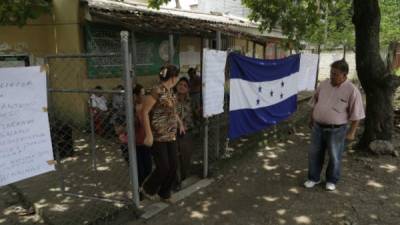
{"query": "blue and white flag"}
[(262, 92)]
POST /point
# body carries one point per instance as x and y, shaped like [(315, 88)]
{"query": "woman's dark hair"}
[(167, 72), (185, 80), (341, 65), (191, 71), (137, 89)]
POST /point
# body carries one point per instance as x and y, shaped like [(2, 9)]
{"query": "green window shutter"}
[(152, 51), (103, 39)]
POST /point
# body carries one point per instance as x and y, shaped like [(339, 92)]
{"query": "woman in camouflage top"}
[(161, 123), (184, 109)]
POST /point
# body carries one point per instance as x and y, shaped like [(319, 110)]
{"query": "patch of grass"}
[(397, 72)]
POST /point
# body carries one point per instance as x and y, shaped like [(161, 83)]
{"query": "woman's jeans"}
[(331, 140), (161, 179)]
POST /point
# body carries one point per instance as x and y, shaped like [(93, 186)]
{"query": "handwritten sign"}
[(213, 81), (25, 143)]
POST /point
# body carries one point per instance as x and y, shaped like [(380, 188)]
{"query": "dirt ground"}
[(264, 186)]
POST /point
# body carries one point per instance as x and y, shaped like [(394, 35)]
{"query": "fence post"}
[(59, 167), (204, 44), (205, 155), (218, 124), (133, 173), (92, 139)]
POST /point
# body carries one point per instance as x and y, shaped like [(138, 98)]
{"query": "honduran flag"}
[(262, 92)]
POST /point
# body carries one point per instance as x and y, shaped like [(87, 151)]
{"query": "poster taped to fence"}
[(24, 125), (213, 81)]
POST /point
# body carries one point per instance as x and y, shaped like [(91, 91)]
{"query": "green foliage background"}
[(17, 12)]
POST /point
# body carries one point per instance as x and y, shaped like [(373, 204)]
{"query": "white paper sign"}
[(25, 143), (190, 58), (213, 81), (308, 72)]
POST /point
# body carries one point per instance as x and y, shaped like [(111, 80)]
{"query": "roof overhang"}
[(139, 17)]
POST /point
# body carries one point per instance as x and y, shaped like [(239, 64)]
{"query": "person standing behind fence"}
[(195, 91), (142, 151), (184, 140), (118, 104), (160, 122), (120, 130), (143, 156), (336, 103), (98, 107)]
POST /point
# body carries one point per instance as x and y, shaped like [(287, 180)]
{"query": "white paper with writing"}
[(25, 143), (213, 81)]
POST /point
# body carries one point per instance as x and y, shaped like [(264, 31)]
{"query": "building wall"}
[(190, 53), (67, 29), (69, 72), (233, 7), (35, 39), (270, 50), (241, 45), (56, 33), (327, 58), (259, 51), (50, 34)]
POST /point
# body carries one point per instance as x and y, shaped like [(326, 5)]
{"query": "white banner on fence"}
[(25, 143), (308, 72), (213, 81)]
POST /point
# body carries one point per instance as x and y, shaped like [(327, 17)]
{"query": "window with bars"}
[(151, 51)]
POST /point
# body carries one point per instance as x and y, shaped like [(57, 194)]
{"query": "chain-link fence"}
[(91, 120), (88, 116), (90, 106)]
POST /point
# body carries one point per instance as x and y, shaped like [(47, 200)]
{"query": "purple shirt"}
[(337, 105)]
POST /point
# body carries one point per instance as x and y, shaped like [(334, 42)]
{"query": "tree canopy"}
[(390, 22), (322, 22), (315, 22), (18, 12), (157, 3)]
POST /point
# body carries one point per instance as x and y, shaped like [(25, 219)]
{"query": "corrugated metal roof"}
[(132, 7), (141, 18)]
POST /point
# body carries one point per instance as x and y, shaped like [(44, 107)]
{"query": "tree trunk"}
[(378, 84), (178, 4), (391, 55)]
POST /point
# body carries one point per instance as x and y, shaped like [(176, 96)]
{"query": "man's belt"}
[(331, 125)]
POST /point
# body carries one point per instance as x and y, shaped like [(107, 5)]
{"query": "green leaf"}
[(327, 23)]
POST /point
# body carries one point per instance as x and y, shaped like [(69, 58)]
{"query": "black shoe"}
[(146, 195), (177, 187), (167, 200)]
